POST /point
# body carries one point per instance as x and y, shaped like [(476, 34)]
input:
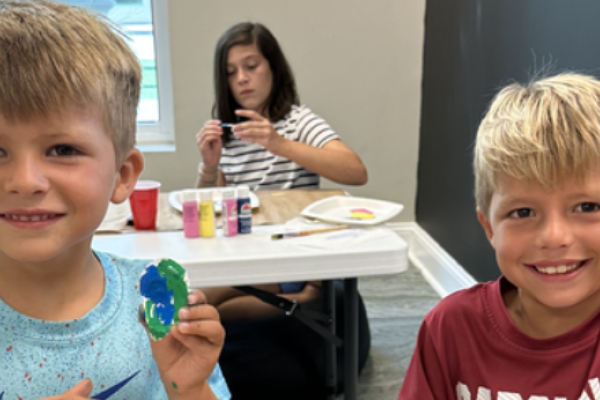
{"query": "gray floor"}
[(396, 305)]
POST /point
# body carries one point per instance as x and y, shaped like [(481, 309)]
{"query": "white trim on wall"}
[(160, 135), (442, 272)]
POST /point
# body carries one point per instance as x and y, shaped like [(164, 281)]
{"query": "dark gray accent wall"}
[(472, 48)]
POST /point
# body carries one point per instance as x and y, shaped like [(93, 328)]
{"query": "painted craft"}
[(361, 213), (164, 286)]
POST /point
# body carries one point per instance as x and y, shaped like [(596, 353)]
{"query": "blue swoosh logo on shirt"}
[(108, 392), (111, 390)]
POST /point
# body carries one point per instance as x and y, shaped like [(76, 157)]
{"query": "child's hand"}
[(187, 356), (209, 143), (82, 390), (258, 130)]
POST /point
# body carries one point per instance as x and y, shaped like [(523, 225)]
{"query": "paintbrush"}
[(293, 234)]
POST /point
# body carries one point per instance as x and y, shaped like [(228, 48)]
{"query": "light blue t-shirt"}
[(40, 359)]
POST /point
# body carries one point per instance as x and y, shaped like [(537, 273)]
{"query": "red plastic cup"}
[(144, 205)]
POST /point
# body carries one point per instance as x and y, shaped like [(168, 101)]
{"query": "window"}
[(145, 23)]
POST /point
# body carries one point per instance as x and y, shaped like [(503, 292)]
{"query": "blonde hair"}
[(544, 132), (54, 56)]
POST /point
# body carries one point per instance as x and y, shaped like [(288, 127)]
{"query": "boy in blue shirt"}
[(69, 88)]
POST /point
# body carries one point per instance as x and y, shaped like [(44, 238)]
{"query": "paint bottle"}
[(244, 210), (229, 212), (207, 214), (190, 214)]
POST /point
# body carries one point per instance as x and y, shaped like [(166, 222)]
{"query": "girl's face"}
[(249, 77)]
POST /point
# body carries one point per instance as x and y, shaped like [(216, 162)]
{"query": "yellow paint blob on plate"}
[(361, 213)]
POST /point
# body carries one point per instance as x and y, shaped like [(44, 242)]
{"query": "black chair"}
[(281, 358)]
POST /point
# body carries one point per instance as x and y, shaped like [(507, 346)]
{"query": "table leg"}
[(351, 339), (330, 348)]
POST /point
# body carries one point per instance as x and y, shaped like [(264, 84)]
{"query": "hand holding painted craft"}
[(164, 286), (187, 336)]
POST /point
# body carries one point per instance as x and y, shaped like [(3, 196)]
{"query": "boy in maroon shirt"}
[(532, 334)]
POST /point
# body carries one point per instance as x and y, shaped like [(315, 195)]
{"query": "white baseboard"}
[(442, 272)]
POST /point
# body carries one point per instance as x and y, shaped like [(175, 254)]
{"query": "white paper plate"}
[(116, 217), (339, 208), (176, 197)]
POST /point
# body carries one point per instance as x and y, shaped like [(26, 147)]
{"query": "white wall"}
[(357, 63)]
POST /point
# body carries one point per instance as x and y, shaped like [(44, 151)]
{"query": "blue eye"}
[(588, 207), (521, 213), (63, 150)]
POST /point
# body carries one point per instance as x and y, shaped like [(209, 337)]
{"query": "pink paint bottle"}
[(229, 212), (189, 213)]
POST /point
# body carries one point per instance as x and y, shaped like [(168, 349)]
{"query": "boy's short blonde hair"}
[(544, 132), (54, 56)]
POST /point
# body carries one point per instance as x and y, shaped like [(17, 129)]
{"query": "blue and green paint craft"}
[(164, 286)]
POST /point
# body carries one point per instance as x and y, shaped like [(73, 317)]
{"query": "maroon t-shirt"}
[(470, 349)]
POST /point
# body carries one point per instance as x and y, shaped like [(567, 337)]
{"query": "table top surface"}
[(275, 207), (255, 258)]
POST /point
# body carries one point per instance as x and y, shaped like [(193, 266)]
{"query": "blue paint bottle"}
[(244, 210)]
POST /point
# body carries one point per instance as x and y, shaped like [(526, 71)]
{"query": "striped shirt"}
[(245, 163)]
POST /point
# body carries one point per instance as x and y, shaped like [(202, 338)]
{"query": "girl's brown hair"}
[(283, 93)]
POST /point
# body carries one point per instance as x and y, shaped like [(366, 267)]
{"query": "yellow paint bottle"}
[(206, 221)]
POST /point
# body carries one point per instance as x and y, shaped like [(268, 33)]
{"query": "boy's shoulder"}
[(120, 261), (128, 268), (465, 306)]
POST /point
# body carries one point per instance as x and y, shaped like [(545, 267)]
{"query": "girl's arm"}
[(334, 161), (210, 178), (209, 143)]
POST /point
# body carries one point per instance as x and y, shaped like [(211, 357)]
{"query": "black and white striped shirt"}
[(251, 164)]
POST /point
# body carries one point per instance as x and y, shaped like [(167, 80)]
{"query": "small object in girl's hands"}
[(227, 131), (239, 118), (228, 126), (164, 286), (361, 213)]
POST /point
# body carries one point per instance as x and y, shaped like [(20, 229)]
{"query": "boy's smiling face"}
[(57, 176), (548, 242)]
